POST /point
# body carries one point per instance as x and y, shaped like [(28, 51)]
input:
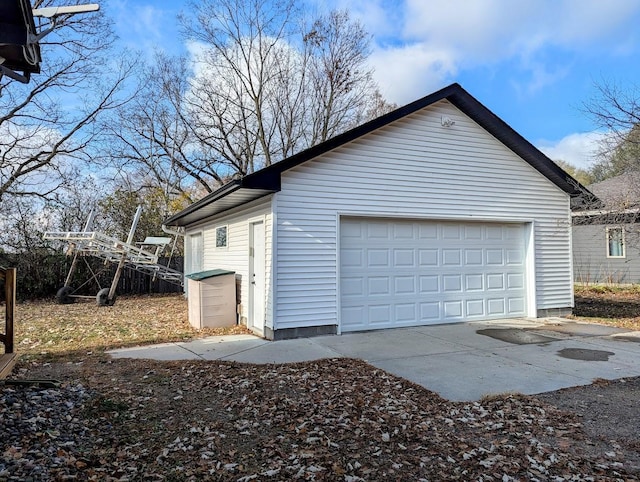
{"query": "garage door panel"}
[(378, 285), (404, 258), (407, 273), (473, 232), (515, 281), (404, 285), (494, 257), (494, 233), (475, 308), (517, 304), (473, 257), (452, 310), (451, 231), (352, 286), (428, 231), (377, 230), (403, 231), (452, 283), (353, 257), (379, 314), (515, 257), (474, 282), (452, 257), (495, 281), (429, 311), (429, 284), (406, 312), (428, 257), (496, 307)]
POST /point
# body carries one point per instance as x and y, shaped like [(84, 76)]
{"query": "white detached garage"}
[(437, 212)]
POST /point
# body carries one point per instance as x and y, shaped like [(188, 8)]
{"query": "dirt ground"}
[(335, 419)]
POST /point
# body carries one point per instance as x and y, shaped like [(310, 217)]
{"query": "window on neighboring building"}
[(615, 242), (221, 237)]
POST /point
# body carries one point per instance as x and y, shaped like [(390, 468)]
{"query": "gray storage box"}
[(212, 298)]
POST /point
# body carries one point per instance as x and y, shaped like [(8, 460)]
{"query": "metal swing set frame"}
[(143, 257)]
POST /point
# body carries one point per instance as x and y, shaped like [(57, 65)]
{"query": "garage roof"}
[(267, 180)]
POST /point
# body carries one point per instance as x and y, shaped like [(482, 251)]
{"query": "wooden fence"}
[(9, 357), (41, 275)]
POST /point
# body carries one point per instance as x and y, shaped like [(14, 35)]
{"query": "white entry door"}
[(195, 260), (397, 273), (256, 276)]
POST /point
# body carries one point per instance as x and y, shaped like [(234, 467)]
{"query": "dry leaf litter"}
[(338, 420)]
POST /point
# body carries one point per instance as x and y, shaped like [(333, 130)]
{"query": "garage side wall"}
[(235, 257), (412, 168)]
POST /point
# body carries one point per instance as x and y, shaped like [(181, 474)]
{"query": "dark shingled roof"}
[(267, 180), (620, 192)]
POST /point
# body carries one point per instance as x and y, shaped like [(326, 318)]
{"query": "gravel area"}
[(337, 419)]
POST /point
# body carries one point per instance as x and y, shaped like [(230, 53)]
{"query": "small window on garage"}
[(615, 243), (221, 237)]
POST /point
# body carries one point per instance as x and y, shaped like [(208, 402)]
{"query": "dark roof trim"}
[(208, 199), (269, 177), (190, 214)]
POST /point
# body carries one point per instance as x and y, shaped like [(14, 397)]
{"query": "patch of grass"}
[(47, 331), (614, 305), (108, 405), (597, 289)]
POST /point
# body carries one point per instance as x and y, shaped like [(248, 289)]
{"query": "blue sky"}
[(532, 62)]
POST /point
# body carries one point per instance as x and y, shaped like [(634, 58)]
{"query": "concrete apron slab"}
[(461, 361), (239, 348)]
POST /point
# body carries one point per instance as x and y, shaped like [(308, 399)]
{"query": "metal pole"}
[(123, 259), (134, 225), (72, 269)]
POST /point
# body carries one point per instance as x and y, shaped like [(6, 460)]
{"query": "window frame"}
[(226, 236), (608, 239)]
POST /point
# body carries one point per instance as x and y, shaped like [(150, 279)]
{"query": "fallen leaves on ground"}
[(327, 420), (48, 330), (336, 419)]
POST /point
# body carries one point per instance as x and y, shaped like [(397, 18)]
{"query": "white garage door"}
[(409, 273)]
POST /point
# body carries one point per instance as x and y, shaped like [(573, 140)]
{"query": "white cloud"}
[(144, 26), (579, 149), (407, 73), (437, 39), (491, 30)]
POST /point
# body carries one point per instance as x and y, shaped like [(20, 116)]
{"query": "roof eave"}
[(243, 191)]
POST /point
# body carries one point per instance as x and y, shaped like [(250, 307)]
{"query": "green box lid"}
[(208, 274)]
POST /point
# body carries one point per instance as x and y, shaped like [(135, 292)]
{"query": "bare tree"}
[(342, 82), (266, 87), (616, 109), (152, 140), (49, 125)]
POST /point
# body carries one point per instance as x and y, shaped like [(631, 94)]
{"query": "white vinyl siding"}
[(235, 256), (412, 168)]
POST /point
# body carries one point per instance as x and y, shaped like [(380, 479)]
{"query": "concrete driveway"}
[(462, 361)]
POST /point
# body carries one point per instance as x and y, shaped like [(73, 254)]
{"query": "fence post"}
[(10, 297)]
